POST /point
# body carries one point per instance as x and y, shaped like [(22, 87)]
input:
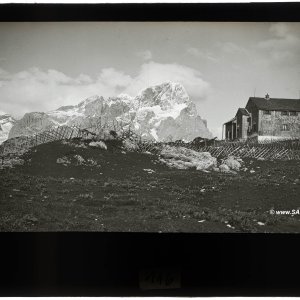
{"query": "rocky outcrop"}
[(183, 158), (31, 124)]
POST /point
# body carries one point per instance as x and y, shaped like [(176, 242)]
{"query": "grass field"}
[(129, 191)]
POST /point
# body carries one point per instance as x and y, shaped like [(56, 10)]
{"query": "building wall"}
[(264, 126), (230, 131), (272, 125), (239, 122), (245, 127), (242, 123), (254, 126)]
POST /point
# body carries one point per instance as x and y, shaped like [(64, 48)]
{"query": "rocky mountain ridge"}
[(163, 112)]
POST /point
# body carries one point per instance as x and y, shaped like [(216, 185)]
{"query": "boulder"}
[(79, 159), (63, 160), (224, 168), (99, 144), (183, 158), (233, 163)]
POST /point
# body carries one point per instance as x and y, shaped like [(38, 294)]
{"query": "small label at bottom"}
[(159, 279)]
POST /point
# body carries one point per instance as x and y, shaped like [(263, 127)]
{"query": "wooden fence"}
[(287, 149), (19, 145), (258, 151), (22, 144)]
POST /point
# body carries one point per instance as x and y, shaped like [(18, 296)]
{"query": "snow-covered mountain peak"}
[(161, 112), (6, 123), (120, 98), (125, 98), (65, 108), (165, 95), (6, 118), (68, 114), (89, 100)]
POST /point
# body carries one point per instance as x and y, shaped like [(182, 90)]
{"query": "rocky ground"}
[(74, 186)]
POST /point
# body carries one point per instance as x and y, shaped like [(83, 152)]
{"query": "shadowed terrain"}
[(120, 190)]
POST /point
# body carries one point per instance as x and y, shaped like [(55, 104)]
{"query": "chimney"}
[(267, 97)]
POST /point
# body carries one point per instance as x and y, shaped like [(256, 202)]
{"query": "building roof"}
[(232, 120), (276, 104), (243, 111)]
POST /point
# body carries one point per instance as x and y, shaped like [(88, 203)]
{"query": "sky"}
[(46, 65)]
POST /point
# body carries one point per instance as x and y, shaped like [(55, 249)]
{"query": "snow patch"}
[(154, 133), (160, 113), (6, 123)]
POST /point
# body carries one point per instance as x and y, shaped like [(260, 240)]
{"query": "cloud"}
[(38, 90), (200, 54), (113, 79), (3, 73), (232, 48), (283, 47), (153, 73), (146, 55)]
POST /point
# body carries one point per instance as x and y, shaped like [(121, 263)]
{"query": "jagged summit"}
[(164, 95), (125, 97), (88, 101), (161, 112)]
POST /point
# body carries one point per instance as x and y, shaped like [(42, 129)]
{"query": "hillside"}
[(71, 186)]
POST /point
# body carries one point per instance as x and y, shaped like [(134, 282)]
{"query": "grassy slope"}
[(118, 195)]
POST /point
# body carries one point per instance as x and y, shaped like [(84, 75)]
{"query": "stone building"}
[(265, 119)]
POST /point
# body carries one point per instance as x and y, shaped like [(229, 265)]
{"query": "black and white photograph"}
[(164, 127)]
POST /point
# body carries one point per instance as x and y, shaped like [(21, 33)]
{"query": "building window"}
[(267, 112), (284, 113), (284, 127), (293, 113)]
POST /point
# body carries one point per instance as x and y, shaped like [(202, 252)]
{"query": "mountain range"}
[(163, 112)]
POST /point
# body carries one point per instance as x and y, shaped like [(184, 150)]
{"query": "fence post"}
[(71, 134)]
